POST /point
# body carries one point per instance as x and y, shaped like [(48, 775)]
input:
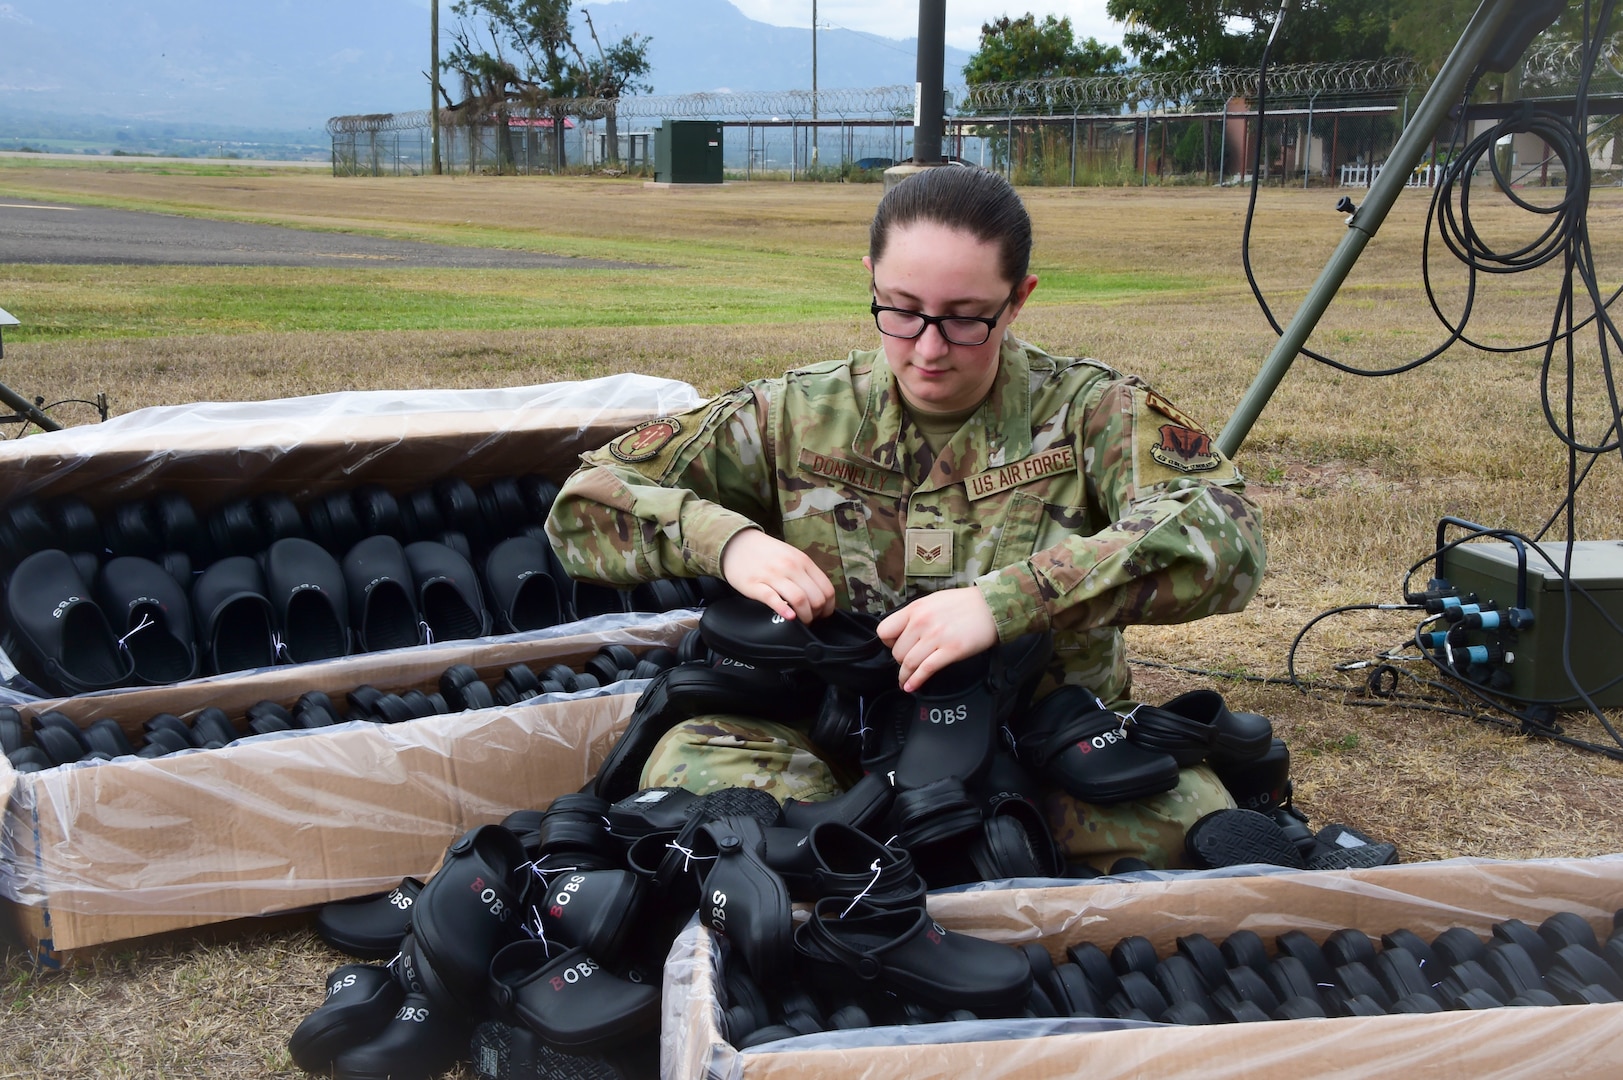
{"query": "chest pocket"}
[(838, 540), (1030, 524)]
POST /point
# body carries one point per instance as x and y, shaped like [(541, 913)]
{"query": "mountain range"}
[(207, 70)]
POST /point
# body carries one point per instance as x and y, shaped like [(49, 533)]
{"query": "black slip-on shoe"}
[(861, 806), (650, 810), (236, 625), (306, 589), (448, 596), (1187, 736), (1016, 842), (360, 1001), (470, 907), (748, 630), (959, 711), (569, 999), (1263, 783), (108, 736), (68, 640), (665, 594), (1084, 748), (522, 592), (150, 611), (849, 862), (383, 606), (906, 952), (743, 898), (587, 598), (593, 909), (422, 1039), (370, 927), (1237, 837), (503, 1051)]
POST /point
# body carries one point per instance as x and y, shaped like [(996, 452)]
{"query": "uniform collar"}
[(999, 433)]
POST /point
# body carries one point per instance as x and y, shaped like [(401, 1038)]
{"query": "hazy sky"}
[(900, 18)]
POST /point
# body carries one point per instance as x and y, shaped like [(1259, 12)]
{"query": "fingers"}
[(937, 630), (781, 576)]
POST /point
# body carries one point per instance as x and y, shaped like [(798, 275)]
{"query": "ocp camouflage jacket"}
[(1076, 499)]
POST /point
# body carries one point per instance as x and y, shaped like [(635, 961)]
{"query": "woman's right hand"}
[(779, 575)]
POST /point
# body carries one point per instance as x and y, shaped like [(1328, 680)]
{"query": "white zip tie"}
[(688, 852), (146, 621), (866, 889), (428, 632), (278, 646)]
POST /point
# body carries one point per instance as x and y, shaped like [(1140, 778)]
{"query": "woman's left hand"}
[(936, 630)]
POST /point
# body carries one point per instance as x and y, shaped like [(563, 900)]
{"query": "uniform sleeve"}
[(663, 499), (1177, 539)]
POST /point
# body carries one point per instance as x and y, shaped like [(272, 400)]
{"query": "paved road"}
[(35, 232)]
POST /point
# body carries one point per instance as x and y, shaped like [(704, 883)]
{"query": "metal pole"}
[(1145, 181), (1307, 149), (930, 93), (814, 84), (1432, 111), (1073, 147), (1223, 145), (434, 82)]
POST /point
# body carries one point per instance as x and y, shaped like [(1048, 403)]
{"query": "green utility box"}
[(688, 152), (1489, 569)]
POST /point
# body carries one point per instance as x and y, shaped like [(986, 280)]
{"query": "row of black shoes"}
[(51, 738), (1560, 962), (167, 527), (134, 623)]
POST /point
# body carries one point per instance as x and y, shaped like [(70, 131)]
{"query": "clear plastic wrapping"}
[(1569, 1041)]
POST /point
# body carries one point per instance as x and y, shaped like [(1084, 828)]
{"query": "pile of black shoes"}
[(157, 594), (525, 943)]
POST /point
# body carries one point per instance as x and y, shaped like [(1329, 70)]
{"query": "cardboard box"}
[(1568, 1041), (97, 853), (91, 854)]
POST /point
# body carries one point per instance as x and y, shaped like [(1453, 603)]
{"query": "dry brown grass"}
[(1352, 475)]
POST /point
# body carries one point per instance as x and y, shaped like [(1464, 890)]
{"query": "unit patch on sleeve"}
[(1184, 449), (646, 440)]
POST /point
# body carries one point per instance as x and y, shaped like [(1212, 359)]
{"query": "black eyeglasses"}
[(958, 329)]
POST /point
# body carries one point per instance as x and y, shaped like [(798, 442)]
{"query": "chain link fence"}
[(1324, 123)]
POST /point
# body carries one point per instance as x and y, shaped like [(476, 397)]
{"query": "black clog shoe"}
[(360, 1001), (838, 647), (236, 625), (382, 600), (69, 642), (448, 596), (522, 590), (906, 952), (1084, 748), (593, 909), (569, 999), (150, 612), (470, 908), (422, 1039), (305, 586), (370, 927)]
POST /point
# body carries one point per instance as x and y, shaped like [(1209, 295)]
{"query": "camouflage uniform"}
[(1075, 498)]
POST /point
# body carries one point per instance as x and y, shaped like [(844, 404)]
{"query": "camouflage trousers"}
[(1151, 829), (711, 752)]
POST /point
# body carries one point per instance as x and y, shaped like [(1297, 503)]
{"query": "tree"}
[(618, 70), (1187, 35), (1018, 49), (524, 52)]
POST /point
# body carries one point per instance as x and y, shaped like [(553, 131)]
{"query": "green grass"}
[(57, 303)]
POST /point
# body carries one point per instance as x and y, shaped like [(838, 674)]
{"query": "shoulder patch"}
[(646, 440), (1184, 449)]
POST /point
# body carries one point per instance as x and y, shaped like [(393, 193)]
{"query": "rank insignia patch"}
[(1184, 449), (646, 440)]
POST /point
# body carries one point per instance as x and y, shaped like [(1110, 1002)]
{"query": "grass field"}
[(1352, 473)]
